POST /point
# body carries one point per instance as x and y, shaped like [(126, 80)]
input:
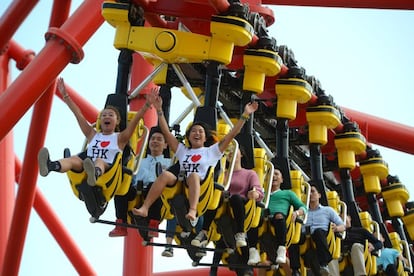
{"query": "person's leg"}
[(62, 165), (101, 165), (71, 163), (121, 209), (322, 250), (294, 253), (169, 236), (166, 178), (357, 258), (253, 236), (279, 222), (252, 240), (201, 238), (294, 256), (121, 212), (334, 268), (171, 225), (237, 205), (391, 270), (193, 182)]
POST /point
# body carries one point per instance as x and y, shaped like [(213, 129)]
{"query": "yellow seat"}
[(97, 197)]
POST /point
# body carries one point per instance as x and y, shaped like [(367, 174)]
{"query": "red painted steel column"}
[(6, 170), (58, 230), (63, 46), (138, 260), (13, 18), (27, 187)]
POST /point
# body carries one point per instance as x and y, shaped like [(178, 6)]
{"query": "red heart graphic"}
[(195, 157), (104, 144)]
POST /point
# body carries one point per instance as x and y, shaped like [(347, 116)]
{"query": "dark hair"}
[(211, 137), (316, 188), (155, 129), (242, 151)]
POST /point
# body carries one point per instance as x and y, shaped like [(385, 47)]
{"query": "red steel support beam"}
[(63, 47), (58, 230), (13, 18), (25, 194), (7, 170), (383, 132), (370, 4), (138, 259), (60, 12)]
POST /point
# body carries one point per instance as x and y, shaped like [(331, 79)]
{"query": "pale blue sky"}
[(363, 58)]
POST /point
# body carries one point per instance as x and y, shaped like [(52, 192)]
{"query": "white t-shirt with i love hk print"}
[(198, 160), (104, 147)]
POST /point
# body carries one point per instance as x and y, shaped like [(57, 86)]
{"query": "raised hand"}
[(251, 107), (154, 98), (61, 87)]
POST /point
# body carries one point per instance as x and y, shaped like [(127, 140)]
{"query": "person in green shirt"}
[(279, 205)]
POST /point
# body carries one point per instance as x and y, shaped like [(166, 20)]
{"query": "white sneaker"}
[(200, 240), (240, 239), (254, 257), (281, 255), (43, 161)]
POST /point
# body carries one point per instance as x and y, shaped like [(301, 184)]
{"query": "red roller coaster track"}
[(34, 88)]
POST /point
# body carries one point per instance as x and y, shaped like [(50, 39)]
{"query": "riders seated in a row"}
[(321, 223), (194, 161), (359, 245), (244, 186), (142, 182)]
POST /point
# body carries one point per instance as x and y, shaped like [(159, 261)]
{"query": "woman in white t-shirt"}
[(102, 146), (194, 160)]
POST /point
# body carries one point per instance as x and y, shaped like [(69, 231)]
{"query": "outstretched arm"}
[(169, 137), (126, 134), (84, 125), (248, 109)]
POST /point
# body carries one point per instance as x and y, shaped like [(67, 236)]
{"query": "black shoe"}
[(295, 272)]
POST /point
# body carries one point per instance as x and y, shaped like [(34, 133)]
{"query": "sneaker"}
[(200, 240), (43, 160), (324, 270), (248, 272), (118, 231), (254, 257), (281, 255), (240, 239), (89, 168), (295, 272), (201, 253), (185, 235), (168, 252)]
